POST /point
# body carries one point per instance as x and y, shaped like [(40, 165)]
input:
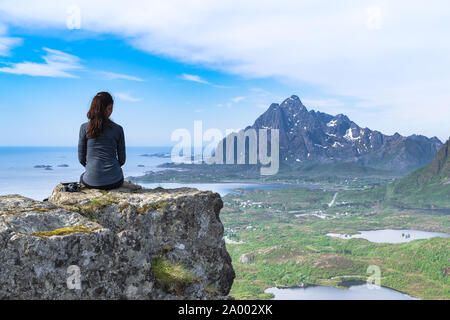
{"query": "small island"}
[(43, 166), (156, 155)]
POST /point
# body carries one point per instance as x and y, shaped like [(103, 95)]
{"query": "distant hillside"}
[(339, 169), (314, 137), (427, 187)]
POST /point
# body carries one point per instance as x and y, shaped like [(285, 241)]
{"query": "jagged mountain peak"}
[(310, 136), (423, 138), (273, 108), (293, 102), (292, 98), (342, 117), (441, 164)]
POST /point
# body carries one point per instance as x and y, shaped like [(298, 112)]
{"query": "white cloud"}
[(57, 64), (393, 58), (237, 99), (127, 97), (230, 103), (6, 42), (118, 76), (374, 18), (194, 78), (198, 79)]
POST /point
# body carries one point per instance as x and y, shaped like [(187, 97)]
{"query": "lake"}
[(391, 236), (358, 292)]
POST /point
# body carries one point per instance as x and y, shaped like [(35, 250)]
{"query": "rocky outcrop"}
[(427, 187), (128, 243)]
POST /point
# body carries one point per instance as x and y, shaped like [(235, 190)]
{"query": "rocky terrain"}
[(427, 187), (317, 137), (128, 243)]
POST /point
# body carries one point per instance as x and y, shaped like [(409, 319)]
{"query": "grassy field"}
[(279, 239)]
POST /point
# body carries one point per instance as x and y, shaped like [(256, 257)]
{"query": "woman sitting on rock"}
[(101, 146)]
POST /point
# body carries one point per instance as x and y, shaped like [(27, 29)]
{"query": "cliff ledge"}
[(128, 243)]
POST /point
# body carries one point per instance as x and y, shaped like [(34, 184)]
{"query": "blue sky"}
[(169, 63)]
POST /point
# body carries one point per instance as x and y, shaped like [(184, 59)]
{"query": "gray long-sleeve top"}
[(103, 156)]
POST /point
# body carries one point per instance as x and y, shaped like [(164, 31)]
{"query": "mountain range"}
[(317, 137)]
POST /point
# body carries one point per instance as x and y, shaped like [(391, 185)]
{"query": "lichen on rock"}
[(63, 231), (128, 243)]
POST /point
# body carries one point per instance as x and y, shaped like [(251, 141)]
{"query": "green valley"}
[(279, 238)]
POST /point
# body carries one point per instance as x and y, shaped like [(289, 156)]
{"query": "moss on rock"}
[(63, 231), (171, 275), (89, 210), (27, 210), (123, 206), (160, 205)]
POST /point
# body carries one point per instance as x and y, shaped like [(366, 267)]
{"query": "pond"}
[(358, 292), (391, 236)]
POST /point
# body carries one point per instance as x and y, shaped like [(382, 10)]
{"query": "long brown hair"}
[(98, 114)]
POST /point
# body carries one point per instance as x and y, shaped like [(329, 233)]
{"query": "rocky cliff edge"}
[(127, 243)]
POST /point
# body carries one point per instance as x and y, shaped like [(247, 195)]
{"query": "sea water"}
[(18, 174)]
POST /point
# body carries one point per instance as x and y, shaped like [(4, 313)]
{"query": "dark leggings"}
[(107, 187)]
